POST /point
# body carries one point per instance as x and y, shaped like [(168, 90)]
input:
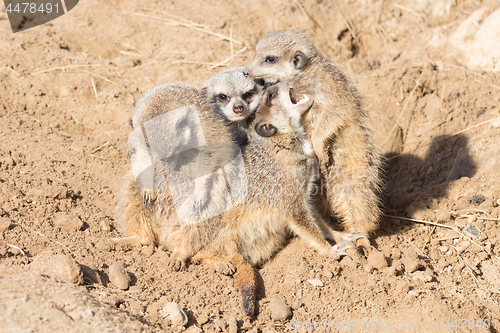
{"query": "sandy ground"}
[(428, 72)]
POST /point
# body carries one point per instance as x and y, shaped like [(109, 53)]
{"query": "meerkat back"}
[(183, 154)]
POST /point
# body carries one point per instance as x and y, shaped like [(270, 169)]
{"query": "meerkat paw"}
[(148, 196), (348, 246), (225, 268), (176, 264)]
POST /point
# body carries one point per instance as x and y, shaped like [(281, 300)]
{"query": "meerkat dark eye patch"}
[(271, 94), (299, 60), (266, 130)]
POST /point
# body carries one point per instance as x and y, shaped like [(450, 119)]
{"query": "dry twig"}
[(49, 239), (17, 247), (190, 26), (231, 57)]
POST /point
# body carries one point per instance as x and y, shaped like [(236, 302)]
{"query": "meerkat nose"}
[(245, 73), (238, 108)]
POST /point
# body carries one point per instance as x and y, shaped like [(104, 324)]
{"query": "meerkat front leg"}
[(352, 182)]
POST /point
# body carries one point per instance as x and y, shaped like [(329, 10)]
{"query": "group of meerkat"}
[(285, 116)]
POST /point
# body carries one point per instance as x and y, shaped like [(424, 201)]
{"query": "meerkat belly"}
[(261, 235)]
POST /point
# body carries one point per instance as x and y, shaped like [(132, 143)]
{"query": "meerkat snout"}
[(266, 130), (238, 108)]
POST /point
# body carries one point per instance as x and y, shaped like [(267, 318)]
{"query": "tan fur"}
[(158, 223), (280, 171), (338, 127)]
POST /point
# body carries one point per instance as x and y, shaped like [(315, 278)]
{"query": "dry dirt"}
[(67, 91)]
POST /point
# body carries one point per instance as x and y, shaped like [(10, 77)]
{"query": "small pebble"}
[(391, 271), (368, 268), (279, 310), (442, 264), (201, 319), (105, 227), (61, 266), (118, 276), (434, 242), (5, 224), (472, 231), (396, 253), (444, 248), (316, 282), (193, 329), (220, 324), (347, 261), (59, 192), (233, 324), (327, 275), (476, 199), (176, 315), (458, 267), (411, 265), (377, 260), (442, 216), (398, 266), (410, 253), (413, 293), (422, 276), (461, 223), (148, 250), (15, 250)]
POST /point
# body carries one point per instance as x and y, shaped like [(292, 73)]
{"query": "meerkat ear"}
[(299, 60)]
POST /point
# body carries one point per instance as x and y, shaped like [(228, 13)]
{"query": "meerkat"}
[(336, 124), (235, 97), (184, 173), (280, 167)]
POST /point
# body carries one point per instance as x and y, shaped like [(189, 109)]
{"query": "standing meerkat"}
[(184, 173), (336, 124), (235, 97), (280, 167)]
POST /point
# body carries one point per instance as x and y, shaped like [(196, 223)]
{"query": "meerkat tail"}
[(246, 281)]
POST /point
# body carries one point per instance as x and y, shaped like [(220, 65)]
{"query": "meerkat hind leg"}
[(131, 240)]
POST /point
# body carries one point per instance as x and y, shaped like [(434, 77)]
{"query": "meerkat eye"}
[(222, 97), (271, 60)]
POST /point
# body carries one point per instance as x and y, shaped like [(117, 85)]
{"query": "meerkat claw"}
[(347, 243), (176, 265), (355, 235)]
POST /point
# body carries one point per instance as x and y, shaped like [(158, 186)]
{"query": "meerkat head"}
[(232, 94), (278, 119), (281, 55)]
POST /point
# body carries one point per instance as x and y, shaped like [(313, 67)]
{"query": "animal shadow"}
[(412, 182)]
